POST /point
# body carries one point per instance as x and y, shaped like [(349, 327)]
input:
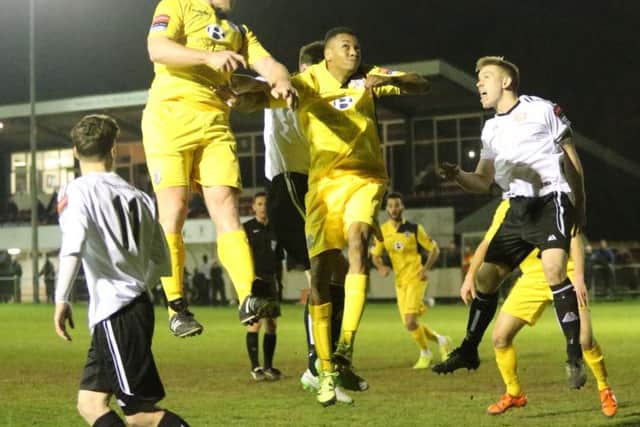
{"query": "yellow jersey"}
[(339, 121), (531, 266), (402, 244), (194, 24)]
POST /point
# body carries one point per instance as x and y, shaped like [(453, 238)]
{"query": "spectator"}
[(603, 259), (203, 284), (49, 273), (16, 270), (217, 285)]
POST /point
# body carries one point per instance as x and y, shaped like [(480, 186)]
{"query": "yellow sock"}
[(430, 333), (508, 366), (321, 327), (235, 255), (420, 337), (595, 360), (173, 285), (355, 288)]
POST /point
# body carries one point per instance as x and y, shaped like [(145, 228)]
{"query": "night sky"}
[(583, 55)]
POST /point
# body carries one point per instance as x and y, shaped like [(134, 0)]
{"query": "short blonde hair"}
[(508, 67)]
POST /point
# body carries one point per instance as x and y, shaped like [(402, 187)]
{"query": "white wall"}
[(200, 236)]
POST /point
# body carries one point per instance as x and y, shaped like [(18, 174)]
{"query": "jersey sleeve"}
[(496, 222), (425, 240), (386, 90), (73, 221), (558, 124), (252, 50), (378, 248), (168, 20)]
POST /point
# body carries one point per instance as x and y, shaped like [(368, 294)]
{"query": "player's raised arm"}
[(407, 83), (163, 50), (278, 77)]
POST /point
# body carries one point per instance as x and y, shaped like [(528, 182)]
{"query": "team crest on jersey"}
[(520, 116), (398, 246), (215, 32), (357, 84), (343, 103), (160, 23)]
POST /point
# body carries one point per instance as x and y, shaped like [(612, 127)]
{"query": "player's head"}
[(395, 206), (259, 206), (94, 138), (495, 77), (222, 5), (342, 49), (310, 54)]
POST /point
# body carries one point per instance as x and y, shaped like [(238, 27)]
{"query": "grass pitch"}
[(207, 377)]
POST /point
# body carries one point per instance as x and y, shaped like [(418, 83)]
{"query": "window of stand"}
[(53, 169)]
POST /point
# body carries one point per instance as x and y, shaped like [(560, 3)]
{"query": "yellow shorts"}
[(185, 144), (528, 298), (333, 204), (410, 298)]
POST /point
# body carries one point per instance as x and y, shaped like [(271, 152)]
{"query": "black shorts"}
[(269, 290), (285, 209), (120, 361), (532, 222)]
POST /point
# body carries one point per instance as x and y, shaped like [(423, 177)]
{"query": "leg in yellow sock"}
[(235, 255), (508, 366), (321, 327), (595, 360), (420, 337), (173, 285), (355, 286)]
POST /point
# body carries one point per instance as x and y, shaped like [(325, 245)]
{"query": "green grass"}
[(207, 377)]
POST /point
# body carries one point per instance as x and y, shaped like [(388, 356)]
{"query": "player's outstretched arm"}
[(408, 83), (67, 271), (278, 78), (478, 181), (163, 50)]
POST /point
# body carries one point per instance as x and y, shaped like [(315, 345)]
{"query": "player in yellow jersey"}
[(403, 241), (524, 305), (347, 179), (188, 140)]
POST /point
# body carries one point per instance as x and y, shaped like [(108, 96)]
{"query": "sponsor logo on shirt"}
[(215, 32), (160, 23), (343, 103)]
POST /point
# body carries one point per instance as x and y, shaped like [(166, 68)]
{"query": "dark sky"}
[(581, 54)]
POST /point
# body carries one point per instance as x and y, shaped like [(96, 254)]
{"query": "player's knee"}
[(90, 406), (500, 340), (357, 254), (144, 419), (410, 324)]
